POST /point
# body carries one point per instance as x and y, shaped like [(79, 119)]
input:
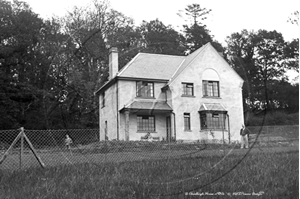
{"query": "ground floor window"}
[(212, 120), (145, 123), (187, 121)]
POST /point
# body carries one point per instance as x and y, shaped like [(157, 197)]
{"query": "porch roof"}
[(212, 107), (149, 106)]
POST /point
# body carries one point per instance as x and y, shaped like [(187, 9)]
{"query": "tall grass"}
[(275, 174), (272, 118)]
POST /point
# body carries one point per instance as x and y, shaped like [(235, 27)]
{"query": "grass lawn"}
[(272, 173)]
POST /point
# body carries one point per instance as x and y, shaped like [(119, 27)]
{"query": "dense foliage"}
[(50, 68)]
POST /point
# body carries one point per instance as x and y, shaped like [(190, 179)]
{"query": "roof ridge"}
[(162, 55)]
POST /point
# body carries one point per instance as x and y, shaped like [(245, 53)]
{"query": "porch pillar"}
[(173, 127), (127, 125)]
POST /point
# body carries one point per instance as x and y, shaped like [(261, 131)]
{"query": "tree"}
[(284, 95), (92, 30), (259, 58), (294, 18), (196, 32), (197, 13), (269, 57), (159, 38), (291, 52), (21, 64), (240, 54)]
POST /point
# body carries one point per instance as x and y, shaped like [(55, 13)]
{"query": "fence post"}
[(33, 151), (10, 148), (22, 146)]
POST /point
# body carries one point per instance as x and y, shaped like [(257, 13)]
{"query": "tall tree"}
[(196, 32), (159, 38), (93, 30), (240, 54), (21, 63), (269, 57), (197, 13), (259, 58)]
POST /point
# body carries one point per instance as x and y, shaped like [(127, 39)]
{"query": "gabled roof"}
[(187, 61), (152, 66)]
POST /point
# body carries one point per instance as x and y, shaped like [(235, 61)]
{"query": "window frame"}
[(209, 89), (212, 120), (145, 125), (185, 87), (187, 121), (140, 89)]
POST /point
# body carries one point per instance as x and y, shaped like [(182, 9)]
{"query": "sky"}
[(225, 18)]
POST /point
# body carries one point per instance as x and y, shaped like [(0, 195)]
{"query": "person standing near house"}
[(68, 141), (244, 137)]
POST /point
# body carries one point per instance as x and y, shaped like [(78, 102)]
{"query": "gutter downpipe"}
[(99, 118), (117, 92), (228, 129)]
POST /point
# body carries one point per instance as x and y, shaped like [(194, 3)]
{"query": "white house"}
[(188, 98)]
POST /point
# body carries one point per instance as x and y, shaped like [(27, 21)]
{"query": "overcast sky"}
[(226, 17)]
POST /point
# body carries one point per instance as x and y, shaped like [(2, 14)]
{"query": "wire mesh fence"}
[(49, 145), (53, 149), (159, 168)]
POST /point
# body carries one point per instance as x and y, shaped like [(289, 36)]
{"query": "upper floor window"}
[(210, 83), (188, 89), (145, 123), (211, 88), (144, 89)]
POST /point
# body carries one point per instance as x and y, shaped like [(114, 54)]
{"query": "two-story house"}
[(194, 97)]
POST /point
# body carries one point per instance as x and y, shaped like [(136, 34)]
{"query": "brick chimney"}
[(113, 62)]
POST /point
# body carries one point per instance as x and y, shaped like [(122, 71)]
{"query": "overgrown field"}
[(273, 175)]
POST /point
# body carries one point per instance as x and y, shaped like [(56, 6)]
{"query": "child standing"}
[(68, 141)]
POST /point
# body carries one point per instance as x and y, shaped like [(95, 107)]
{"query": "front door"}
[(168, 120)]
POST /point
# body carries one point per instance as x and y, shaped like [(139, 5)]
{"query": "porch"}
[(145, 117)]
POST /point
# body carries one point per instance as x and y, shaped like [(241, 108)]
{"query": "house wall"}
[(127, 94), (108, 113), (230, 96)]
